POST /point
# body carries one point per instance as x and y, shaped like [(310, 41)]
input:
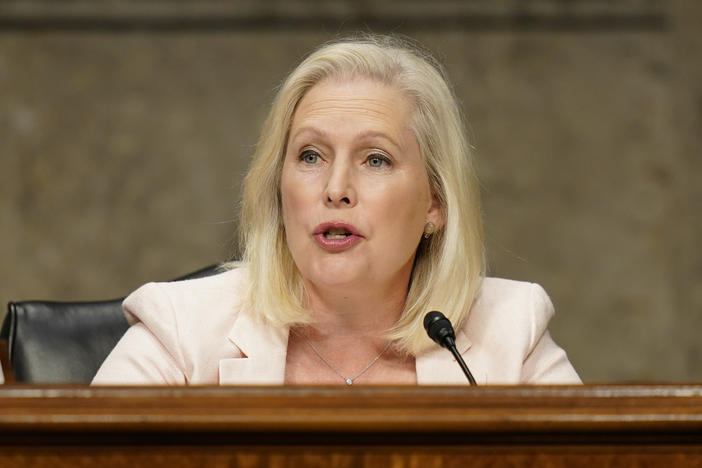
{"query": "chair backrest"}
[(64, 342), (61, 341)]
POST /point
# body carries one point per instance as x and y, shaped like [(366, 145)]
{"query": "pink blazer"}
[(197, 332)]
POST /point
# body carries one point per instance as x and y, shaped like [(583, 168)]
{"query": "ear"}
[(436, 214)]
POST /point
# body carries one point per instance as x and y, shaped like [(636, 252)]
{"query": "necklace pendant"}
[(349, 382)]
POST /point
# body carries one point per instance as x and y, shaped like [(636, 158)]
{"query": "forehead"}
[(355, 101)]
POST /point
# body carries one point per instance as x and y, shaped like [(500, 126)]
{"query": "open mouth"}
[(336, 233)]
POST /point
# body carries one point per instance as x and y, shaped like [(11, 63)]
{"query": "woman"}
[(360, 214)]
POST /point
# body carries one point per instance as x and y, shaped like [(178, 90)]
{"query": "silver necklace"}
[(348, 380)]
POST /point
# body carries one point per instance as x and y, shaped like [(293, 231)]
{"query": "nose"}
[(341, 187)]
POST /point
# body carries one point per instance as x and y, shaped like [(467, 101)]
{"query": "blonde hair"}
[(448, 266)]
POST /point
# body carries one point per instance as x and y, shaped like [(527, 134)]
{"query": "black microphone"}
[(440, 330)]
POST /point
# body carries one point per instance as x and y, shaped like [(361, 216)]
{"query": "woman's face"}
[(355, 192)]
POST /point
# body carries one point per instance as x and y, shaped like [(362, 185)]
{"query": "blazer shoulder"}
[(508, 326), (227, 284), (514, 310), (196, 303), (502, 294)]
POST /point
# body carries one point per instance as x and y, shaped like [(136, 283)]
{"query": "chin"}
[(337, 274)]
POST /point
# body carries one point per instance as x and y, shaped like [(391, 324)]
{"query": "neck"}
[(369, 313)]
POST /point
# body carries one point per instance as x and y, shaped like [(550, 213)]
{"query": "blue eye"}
[(377, 160), (309, 157)]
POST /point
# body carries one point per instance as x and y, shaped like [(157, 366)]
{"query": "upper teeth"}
[(336, 233)]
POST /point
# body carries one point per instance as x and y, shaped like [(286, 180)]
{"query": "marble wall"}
[(125, 131)]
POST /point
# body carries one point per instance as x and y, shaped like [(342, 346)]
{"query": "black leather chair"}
[(65, 342)]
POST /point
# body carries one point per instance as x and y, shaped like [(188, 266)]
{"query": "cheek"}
[(286, 198), (410, 198), (294, 198), (406, 206)]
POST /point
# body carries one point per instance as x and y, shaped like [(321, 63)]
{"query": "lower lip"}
[(336, 245)]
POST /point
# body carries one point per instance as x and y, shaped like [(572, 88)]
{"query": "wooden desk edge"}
[(644, 408)]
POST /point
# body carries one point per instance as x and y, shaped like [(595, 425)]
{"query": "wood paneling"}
[(363, 426)]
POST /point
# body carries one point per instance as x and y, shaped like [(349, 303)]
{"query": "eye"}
[(377, 161), (309, 157)]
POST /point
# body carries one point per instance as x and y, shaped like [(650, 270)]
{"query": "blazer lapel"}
[(263, 348), (263, 353), (438, 366)]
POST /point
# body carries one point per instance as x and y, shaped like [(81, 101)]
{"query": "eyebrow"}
[(368, 134), (373, 134), (303, 130)]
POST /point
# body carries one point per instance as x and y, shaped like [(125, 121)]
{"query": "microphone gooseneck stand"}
[(440, 330)]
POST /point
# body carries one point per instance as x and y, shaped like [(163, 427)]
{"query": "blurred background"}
[(126, 127)]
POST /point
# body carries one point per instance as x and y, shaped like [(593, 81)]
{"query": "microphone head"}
[(439, 329)]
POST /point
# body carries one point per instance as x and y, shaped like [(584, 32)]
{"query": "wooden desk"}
[(418, 427)]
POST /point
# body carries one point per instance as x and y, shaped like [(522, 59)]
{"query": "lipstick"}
[(336, 236)]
